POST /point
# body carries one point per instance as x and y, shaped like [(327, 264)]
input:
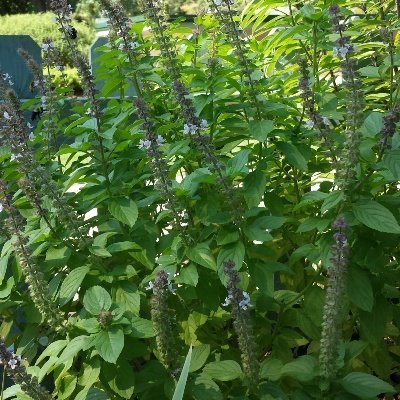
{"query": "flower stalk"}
[(331, 325), (240, 302), (162, 322), (344, 49), (33, 276), (63, 12), (14, 367)]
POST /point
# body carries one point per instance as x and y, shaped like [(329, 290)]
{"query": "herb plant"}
[(240, 212)]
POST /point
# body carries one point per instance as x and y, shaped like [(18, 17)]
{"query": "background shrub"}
[(40, 26)]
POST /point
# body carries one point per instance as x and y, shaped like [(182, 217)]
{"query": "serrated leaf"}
[(124, 210), (365, 386), (226, 370), (96, 299), (71, 283), (109, 344), (375, 216)]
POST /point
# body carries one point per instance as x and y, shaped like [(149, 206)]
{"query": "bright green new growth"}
[(251, 165)]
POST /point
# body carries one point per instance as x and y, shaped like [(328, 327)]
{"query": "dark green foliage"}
[(245, 203)]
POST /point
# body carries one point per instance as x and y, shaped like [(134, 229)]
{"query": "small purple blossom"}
[(144, 144), (343, 50), (203, 124), (149, 286), (310, 124), (245, 303), (159, 140), (326, 121), (47, 46)]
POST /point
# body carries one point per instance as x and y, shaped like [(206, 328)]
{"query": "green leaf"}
[(189, 275), (120, 378), (372, 124), (392, 163), (234, 252), (237, 164), (302, 369), (181, 385), (333, 199), (204, 388), (254, 187), (58, 256), (192, 181), (313, 223), (271, 369), (109, 344), (141, 328), (259, 130), (3, 267), (97, 299), (124, 210), (123, 246), (293, 155), (71, 283), (375, 216), (370, 72), (359, 288), (365, 386), (100, 251), (90, 373), (96, 394), (52, 350), (258, 230), (227, 370), (6, 288), (202, 255), (128, 298), (73, 348), (66, 387), (310, 198), (199, 356)]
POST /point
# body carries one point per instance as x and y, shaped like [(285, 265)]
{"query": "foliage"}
[(244, 203), (40, 26)]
